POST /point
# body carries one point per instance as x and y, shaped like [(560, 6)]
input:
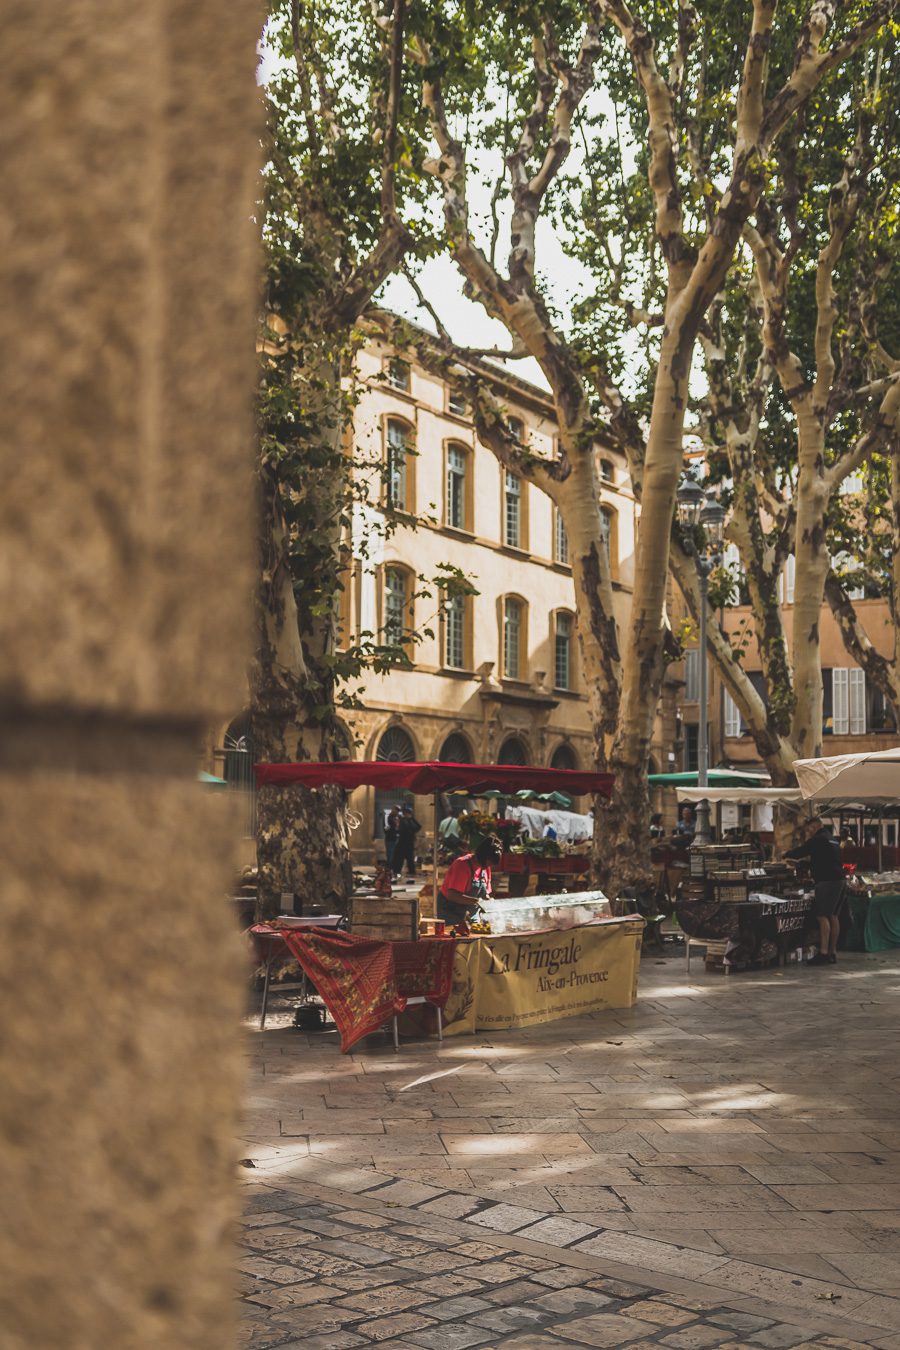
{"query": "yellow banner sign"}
[(524, 979)]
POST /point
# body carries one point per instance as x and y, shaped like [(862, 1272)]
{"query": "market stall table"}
[(365, 983), (873, 923), (756, 931)]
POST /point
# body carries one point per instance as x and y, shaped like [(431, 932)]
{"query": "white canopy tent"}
[(761, 799), (746, 796), (870, 778)]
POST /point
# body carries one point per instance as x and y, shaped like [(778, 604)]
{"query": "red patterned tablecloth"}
[(363, 981)]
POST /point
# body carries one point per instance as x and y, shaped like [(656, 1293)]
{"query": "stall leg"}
[(396, 1032), (265, 1001), (440, 1023), (434, 859)]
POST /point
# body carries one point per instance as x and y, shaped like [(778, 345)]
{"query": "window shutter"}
[(857, 701), (840, 700), (732, 715), (790, 569)]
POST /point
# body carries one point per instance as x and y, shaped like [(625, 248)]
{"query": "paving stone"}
[(452, 1206), (697, 1338), (621, 1289), (504, 1218), (517, 1292), (448, 1337), (514, 1317), (450, 1309), (449, 1285), (294, 1295), (435, 1262), (740, 1321), (479, 1251), (407, 1194), (387, 1299), (559, 1231), (498, 1272), (334, 1340), (780, 1337), (660, 1311), (399, 1324), (572, 1300), (560, 1277), (604, 1329)]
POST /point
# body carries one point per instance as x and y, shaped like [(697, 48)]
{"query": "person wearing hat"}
[(824, 856), (405, 848)]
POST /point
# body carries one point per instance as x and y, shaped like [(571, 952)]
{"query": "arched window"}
[(397, 625), (512, 751), (563, 650), (396, 745), (455, 750), (513, 638), (456, 513), (563, 758), (240, 757), (398, 476)]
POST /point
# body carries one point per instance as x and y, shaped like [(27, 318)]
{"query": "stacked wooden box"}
[(389, 918)]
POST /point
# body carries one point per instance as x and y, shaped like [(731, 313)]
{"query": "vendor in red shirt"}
[(468, 881)]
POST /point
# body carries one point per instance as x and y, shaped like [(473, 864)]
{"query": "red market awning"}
[(434, 776)]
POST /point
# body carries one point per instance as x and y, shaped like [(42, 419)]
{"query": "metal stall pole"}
[(434, 859), (880, 838)]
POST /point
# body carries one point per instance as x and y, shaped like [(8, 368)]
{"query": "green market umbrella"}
[(714, 778)]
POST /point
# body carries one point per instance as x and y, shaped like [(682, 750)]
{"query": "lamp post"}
[(698, 509)]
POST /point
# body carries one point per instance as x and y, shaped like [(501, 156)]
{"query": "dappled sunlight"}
[(430, 1077)]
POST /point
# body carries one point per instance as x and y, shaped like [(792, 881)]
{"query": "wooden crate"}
[(389, 918)]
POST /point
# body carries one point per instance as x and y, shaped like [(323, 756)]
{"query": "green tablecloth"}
[(872, 925)]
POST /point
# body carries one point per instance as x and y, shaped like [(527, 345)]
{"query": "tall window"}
[(731, 715), (398, 375), (395, 606), (455, 633), (397, 465), (561, 541), (516, 428), (606, 531), (512, 511), (457, 464), (848, 693), (512, 638), (563, 672), (457, 403), (692, 675), (607, 472)]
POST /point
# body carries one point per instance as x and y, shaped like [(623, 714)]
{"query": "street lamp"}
[(697, 508)]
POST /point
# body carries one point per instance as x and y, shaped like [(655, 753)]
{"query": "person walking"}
[(824, 857), (405, 848), (391, 823)]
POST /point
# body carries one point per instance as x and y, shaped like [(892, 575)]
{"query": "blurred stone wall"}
[(128, 274)]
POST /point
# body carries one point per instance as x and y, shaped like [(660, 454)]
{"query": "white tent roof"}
[(750, 796), (870, 777)]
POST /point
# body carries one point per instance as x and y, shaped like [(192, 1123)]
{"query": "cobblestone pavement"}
[(719, 1165)]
